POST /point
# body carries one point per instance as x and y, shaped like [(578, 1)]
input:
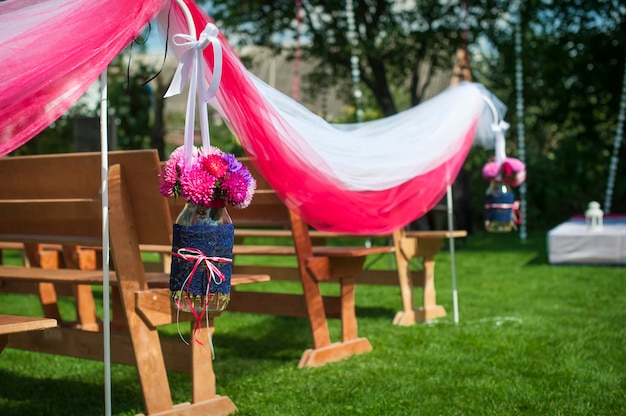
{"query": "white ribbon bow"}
[(191, 69)]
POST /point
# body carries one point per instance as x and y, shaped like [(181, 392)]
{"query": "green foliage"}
[(532, 339), (131, 103), (573, 63), (56, 138), (400, 45)]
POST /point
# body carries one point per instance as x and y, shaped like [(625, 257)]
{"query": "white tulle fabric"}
[(380, 154)]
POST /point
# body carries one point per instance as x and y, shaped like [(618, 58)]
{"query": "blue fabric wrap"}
[(213, 241), (499, 214)]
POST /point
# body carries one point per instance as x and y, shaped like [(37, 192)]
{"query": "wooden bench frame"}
[(405, 246), (267, 216), (55, 199)]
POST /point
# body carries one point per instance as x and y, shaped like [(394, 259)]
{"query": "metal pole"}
[(455, 296), (104, 155)]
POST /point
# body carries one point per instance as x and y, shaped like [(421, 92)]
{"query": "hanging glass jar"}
[(499, 204), (202, 252)]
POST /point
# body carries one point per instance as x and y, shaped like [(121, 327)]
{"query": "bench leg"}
[(316, 312), (350, 344), (406, 316), (35, 256), (4, 340), (48, 299), (86, 309), (203, 378), (430, 310), (348, 312)]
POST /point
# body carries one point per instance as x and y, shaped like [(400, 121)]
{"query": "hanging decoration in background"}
[(207, 178), (355, 61), (295, 86), (610, 184), (519, 88), (501, 210)]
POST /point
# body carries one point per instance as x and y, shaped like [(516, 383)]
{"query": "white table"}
[(573, 243)]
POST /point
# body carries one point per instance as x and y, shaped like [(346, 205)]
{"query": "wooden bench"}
[(406, 246), (315, 265), (56, 199), (267, 216), (14, 324)]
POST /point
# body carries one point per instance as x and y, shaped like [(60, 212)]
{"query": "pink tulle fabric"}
[(301, 177), (51, 51)]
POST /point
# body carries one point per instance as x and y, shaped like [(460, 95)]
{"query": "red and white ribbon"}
[(213, 274)]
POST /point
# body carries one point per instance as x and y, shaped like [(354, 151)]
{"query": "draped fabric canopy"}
[(51, 51), (373, 177)]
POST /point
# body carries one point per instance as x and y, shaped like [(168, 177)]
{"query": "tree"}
[(396, 40), (573, 56)]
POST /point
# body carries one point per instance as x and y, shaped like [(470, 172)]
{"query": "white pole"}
[(455, 296), (104, 152)]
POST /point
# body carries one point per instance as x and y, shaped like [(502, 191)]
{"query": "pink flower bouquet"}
[(211, 176), (512, 171)]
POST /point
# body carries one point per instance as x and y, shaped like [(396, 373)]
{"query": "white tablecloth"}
[(573, 242)]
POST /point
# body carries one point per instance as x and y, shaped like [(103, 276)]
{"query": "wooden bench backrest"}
[(60, 194), (266, 209)]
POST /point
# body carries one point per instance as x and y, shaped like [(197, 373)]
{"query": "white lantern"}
[(593, 216)]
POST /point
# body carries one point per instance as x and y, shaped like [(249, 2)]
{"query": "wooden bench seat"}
[(95, 277), (55, 199), (14, 324)]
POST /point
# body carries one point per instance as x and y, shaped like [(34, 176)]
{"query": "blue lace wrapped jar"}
[(499, 203), (202, 252)]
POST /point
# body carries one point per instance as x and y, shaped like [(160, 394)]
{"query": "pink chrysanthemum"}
[(215, 164), (512, 171), (169, 184), (198, 186), (490, 170), (235, 188)]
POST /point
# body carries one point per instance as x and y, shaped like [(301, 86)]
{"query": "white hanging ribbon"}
[(191, 69), (500, 148)]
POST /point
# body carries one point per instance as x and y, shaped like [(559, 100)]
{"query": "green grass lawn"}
[(533, 339)]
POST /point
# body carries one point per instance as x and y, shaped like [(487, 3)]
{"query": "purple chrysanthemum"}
[(239, 188)]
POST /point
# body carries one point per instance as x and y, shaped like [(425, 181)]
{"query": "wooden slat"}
[(11, 324), (61, 276), (435, 234)]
